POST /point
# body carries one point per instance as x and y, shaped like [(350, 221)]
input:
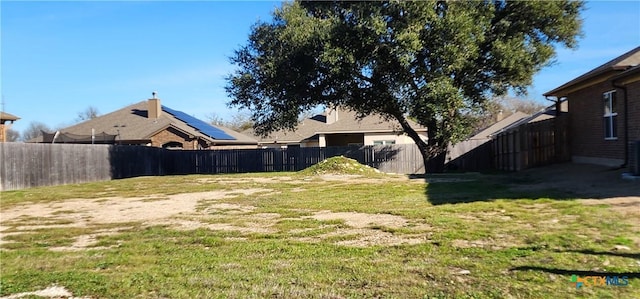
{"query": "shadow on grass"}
[(592, 252), (559, 182), (467, 188), (583, 272), (575, 272)]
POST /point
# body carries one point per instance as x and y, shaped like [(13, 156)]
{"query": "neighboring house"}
[(6, 120), (340, 127), (604, 111), (151, 124)]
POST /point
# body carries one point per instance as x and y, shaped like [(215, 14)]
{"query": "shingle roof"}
[(500, 125), (7, 116), (347, 123), (630, 71), (620, 63), (544, 114), (132, 124)]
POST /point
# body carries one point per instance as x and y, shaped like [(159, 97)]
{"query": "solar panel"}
[(199, 125)]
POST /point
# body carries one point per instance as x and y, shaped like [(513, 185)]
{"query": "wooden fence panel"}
[(470, 155), (32, 165), (532, 145)]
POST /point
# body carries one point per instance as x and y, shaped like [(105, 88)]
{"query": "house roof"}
[(347, 122), (631, 71), (498, 126), (6, 116), (620, 63), (544, 114), (132, 124)]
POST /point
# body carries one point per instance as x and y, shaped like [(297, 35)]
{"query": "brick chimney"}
[(500, 116), (332, 115), (155, 108)]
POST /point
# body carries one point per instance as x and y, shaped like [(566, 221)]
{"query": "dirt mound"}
[(339, 165)]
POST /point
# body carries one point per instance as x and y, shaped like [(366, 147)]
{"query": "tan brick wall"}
[(3, 133), (173, 135), (586, 123)]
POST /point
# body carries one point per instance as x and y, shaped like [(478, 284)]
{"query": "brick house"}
[(340, 127), (152, 124), (604, 111)]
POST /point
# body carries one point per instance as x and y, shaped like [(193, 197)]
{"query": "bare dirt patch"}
[(118, 209), (180, 211), (229, 208), (50, 292), (84, 242), (88, 212), (194, 224), (497, 243), (361, 220), (363, 237), (365, 229), (627, 206)]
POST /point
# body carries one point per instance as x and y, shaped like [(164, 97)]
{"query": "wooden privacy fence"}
[(470, 155), (25, 165), (532, 145), (386, 158)]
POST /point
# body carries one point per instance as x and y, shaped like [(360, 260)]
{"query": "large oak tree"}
[(432, 61)]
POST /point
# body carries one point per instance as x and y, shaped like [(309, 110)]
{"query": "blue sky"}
[(58, 58)]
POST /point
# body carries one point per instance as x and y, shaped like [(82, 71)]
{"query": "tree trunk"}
[(437, 153), (432, 157)]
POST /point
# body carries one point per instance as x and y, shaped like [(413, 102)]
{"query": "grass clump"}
[(339, 165)]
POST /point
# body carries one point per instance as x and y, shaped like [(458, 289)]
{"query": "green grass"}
[(515, 244)]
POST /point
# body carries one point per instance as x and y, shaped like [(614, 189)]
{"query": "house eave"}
[(628, 76), (584, 81), (178, 129), (367, 131), (261, 142)]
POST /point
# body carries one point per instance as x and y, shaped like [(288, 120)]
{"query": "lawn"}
[(291, 235)]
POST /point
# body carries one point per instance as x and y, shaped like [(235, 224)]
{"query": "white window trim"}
[(610, 115)]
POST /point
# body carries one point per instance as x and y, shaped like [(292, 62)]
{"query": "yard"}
[(290, 235)]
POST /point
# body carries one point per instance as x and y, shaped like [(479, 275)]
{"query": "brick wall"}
[(173, 135), (634, 157), (2, 133), (587, 127), (633, 99), (634, 110)]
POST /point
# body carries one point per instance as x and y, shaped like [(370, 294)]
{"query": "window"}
[(383, 142), (610, 115), (172, 145)]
